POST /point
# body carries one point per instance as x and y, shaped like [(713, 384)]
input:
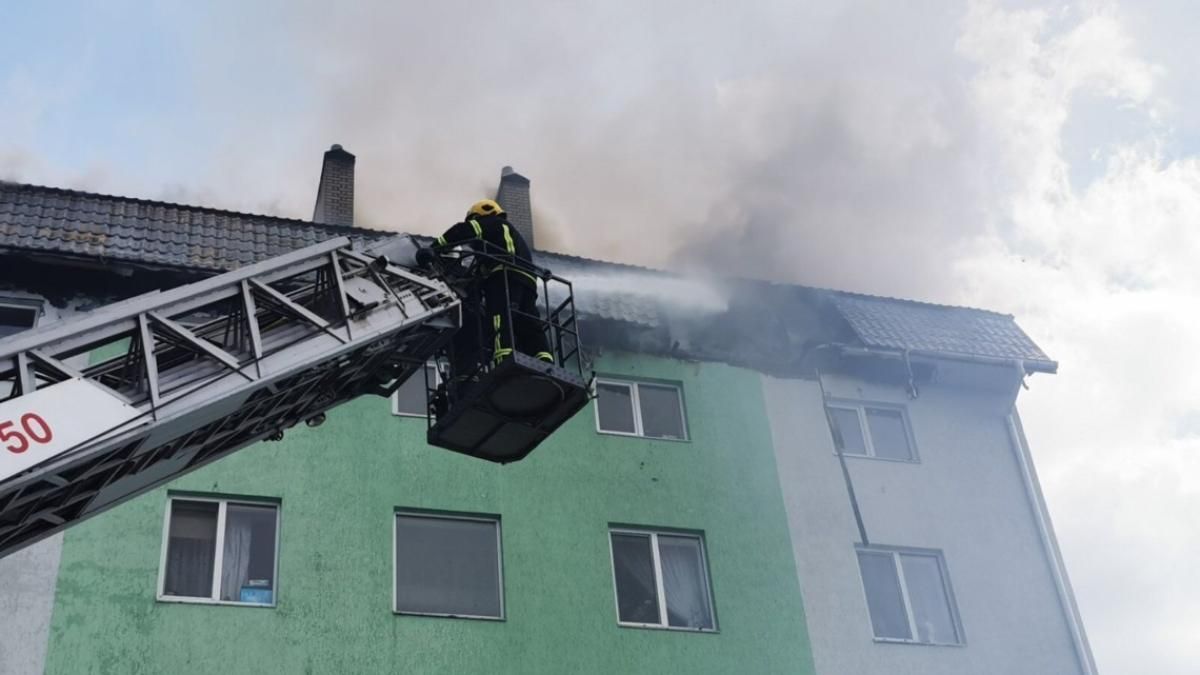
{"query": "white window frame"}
[(634, 387), (860, 407), (660, 590), (494, 520), (896, 553), (219, 555), (395, 397), (36, 306)]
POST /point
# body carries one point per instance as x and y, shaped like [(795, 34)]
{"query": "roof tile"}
[(212, 240), (134, 230), (904, 325)]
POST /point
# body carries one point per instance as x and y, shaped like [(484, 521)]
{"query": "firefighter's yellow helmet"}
[(485, 207)]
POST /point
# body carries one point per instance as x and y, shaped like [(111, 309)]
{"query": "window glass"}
[(614, 406), (633, 567), (447, 566), (884, 599), (245, 548), (248, 559), (108, 350), (662, 414), (684, 582), (14, 319), (191, 549), (410, 396), (661, 580), (888, 435), (845, 420), (927, 595)]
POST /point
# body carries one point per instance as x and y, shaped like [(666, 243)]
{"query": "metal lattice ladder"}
[(105, 406)]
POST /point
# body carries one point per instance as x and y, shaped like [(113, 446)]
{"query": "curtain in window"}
[(191, 549), (684, 582), (235, 570), (189, 568)]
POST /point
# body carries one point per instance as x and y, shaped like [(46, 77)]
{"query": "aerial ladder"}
[(104, 406)]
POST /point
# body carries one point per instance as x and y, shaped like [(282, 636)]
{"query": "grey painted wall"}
[(966, 497), (27, 582), (28, 578)]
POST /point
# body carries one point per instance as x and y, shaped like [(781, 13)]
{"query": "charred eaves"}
[(89, 283), (772, 328)]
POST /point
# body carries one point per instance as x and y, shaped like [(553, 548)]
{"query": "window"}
[(908, 596), (448, 566), (220, 551), (17, 315), (873, 431), (661, 579), (409, 399), (640, 409)]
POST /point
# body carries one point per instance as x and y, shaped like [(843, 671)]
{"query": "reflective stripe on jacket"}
[(502, 239)]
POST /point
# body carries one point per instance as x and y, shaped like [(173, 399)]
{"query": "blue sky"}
[(1033, 158), (132, 94), (94, 76)]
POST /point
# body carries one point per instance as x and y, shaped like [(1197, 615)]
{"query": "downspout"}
[(1058, 570), (913, 393), (837, 447)]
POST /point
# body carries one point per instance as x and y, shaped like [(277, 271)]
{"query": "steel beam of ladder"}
[(97, 409)]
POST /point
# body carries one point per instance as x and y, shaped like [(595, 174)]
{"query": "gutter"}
[(1050, 367), (1066, 597)]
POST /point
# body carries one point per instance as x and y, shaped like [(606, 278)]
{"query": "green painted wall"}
[(339, 486)]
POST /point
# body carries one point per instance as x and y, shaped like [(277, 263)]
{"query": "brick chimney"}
[(335, 192), (513, 195)]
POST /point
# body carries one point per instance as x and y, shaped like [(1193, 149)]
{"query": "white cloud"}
[(1105, 277)]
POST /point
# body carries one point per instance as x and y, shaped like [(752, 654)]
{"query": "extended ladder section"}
[(100, 408)]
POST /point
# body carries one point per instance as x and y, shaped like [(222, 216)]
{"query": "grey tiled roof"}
[(151, 233), (937, 329), (34, 218), (605, 303), (618, 307)]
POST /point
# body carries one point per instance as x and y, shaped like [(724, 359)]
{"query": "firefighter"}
[(509, 288)]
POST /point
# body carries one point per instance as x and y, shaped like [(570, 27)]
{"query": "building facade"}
[(783, 481)]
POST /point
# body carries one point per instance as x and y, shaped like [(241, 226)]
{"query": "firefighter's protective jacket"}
[(493, 235)]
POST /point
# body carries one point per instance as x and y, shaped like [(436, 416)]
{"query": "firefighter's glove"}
[(425, 257)]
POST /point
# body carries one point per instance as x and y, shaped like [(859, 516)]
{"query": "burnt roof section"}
[(155, 234)]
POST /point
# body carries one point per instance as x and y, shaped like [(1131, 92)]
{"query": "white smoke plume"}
[(686, 295)]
